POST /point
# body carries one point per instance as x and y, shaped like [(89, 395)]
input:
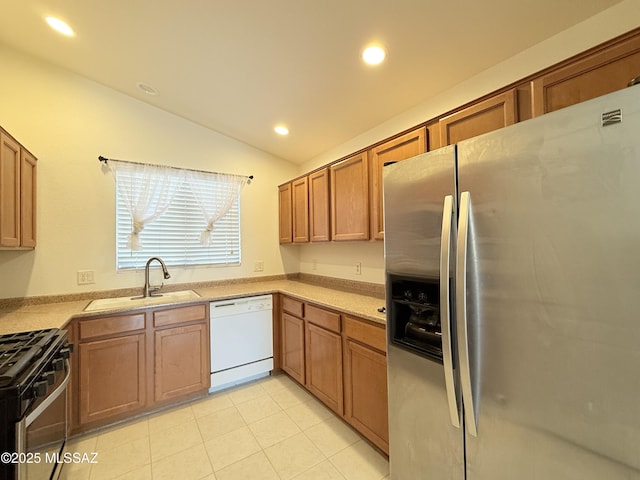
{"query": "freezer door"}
[(553, 288), (414, 191), (423, 441)]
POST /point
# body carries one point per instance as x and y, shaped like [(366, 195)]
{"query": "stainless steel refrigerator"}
[(513, 301)]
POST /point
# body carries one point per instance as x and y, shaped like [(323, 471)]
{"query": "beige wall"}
[(67, 121), (339, 260)]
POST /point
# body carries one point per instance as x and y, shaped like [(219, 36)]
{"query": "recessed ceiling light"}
[(373, 55), (146, 88), (60, 26), (281, 130)]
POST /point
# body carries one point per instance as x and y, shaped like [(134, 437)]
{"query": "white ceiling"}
[(241, 66)]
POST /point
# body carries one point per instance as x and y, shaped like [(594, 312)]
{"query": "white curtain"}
[(214, 202), (147, 191)]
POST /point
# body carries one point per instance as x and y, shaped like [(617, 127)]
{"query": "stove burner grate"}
[(19, 350)]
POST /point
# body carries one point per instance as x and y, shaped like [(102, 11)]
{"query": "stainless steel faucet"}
[(150, 291)]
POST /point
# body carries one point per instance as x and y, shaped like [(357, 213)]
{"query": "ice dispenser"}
[(414, 315)]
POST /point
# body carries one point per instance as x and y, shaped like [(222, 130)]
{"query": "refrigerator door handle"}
[(445, 310), (461, 314)]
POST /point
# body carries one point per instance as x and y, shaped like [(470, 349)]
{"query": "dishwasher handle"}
[(235, 306)]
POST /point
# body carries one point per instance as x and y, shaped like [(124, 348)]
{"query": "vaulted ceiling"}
[(241, 67)]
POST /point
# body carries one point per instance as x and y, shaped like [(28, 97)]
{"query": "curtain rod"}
[(105, 160)]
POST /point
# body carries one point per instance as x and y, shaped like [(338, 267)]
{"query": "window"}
[(175, 235)]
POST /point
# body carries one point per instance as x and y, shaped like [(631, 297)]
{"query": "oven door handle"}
[(50, 398)]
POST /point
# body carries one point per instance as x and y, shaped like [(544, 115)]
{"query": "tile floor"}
[(268, 429)]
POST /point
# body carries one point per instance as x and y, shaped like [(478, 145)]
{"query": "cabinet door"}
[(324, 366), (28, 177), (350, 199), (300, 201), (285, 213), (9, 191), (319, 206), (604, 71), (365, 372), (491, 114), (181, 361), (112, 378), (293, 346), (401, 148)]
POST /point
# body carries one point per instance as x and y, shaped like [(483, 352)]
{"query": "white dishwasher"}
[(241, 340)]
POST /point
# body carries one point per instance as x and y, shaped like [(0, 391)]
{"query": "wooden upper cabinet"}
[(18, 170), (603, 71), (285, 213), (485, 116), (350, 198), (319, 206), (28, 179), (355, 189), (9, 191), (300, 212), (401, 148)]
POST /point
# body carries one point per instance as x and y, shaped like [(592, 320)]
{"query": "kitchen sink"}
[(124, 302)]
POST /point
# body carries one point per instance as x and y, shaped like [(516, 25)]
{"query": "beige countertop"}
[(57, 315)]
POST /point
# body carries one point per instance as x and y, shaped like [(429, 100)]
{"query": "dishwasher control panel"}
[(223, 308)]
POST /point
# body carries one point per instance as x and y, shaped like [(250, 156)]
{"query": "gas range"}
[(34, 373)]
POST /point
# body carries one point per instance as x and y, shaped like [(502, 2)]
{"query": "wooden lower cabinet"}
[(324, 365), (365, 379), (112, 377), (342, 361), (180, 361), (365, 392), (293, 347), (131, 363)]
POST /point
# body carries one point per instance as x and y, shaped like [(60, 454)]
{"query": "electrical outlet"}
[(258, 266), (358, 268), (314, 264), (86, 277)]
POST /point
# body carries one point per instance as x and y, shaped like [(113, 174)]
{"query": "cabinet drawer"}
[(172, 316), (101, 327), (323, 318), (366, 333), (294, 307)]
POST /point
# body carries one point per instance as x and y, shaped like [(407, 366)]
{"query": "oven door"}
[(41, 434)]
